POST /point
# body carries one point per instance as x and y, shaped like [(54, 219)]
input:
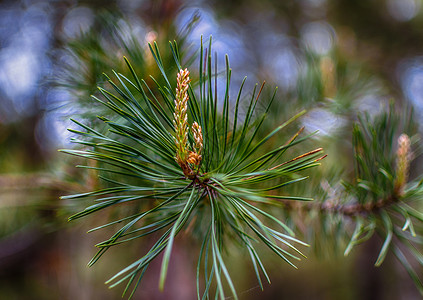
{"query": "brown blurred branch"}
[(34, 181)]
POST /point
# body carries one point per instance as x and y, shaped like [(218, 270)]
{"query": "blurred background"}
[(337, 59)]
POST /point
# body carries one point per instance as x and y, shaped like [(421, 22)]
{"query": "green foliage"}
[(103, 47), (227, 198), (375, 203), (380, 206), (378, 201)]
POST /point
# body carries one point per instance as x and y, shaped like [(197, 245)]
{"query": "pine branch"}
[(219, 171)]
